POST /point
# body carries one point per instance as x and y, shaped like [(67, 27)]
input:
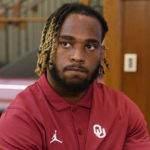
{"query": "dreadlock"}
[(52, 27)]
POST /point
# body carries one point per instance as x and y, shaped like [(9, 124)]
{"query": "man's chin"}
[(75, 80), (74, 86)]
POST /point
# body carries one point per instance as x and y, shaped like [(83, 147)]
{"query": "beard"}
[(72, 87)]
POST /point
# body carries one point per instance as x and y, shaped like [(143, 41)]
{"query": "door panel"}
[(136, 39)]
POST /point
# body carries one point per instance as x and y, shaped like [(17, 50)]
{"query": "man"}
[(65, 109)]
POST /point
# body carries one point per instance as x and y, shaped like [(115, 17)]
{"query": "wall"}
[(15, 41)]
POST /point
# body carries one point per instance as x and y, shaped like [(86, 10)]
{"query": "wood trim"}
[(85, 2), (33, 5), (16, 9), (22, 26), (19, 2), (11, 5), (1, 24), (17, 19), (112, 14), (135, 0)]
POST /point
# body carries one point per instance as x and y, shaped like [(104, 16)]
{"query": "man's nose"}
[(78, 55)]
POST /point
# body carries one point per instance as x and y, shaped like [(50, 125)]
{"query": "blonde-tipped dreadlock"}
[(47, 48), (102, 64)]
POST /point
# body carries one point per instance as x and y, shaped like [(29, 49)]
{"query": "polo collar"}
[(60, 103)]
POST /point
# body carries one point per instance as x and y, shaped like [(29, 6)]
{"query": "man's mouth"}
[(76, 68)]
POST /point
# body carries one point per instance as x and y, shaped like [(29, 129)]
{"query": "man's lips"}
[(76, 68)]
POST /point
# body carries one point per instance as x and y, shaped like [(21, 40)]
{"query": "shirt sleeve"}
[(137, 134), (19, 131)]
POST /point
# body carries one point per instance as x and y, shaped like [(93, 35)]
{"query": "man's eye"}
[(91, 47), (65, 44)]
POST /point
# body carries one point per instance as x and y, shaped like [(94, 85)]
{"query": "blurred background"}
[(128, 54)]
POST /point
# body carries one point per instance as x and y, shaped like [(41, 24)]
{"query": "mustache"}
[(71, 67)]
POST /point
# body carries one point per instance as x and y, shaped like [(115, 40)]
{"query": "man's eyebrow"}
[(92, 41), (67, 37)]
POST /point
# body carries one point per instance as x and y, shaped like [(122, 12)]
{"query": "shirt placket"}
[(79, 128)]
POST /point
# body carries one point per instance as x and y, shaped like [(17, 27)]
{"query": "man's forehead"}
[(81, 19), (81, 25)]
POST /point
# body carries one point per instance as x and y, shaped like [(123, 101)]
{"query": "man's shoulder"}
[(22, 121), (114, 106), (114, 98), (28, 99), (118, 103), (109, 92), (31, 90)]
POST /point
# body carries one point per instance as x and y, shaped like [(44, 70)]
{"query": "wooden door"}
[(136, 39)]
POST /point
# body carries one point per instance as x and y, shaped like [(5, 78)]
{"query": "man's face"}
[(78, 51)]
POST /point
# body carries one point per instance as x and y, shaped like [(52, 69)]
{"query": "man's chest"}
[(77, 129), (67, 129)]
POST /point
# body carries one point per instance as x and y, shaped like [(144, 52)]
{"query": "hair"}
[(48, 45)]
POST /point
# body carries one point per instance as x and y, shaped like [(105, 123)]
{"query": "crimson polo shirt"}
[(40, 119)]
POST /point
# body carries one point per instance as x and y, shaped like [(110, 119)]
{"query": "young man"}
[(65, 109)]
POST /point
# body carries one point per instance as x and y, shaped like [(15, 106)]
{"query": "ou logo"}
[(99, 131)]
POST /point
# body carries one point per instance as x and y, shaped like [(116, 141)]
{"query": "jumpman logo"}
[(54, 138)]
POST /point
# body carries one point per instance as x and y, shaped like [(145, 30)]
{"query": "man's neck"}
[(71, 97)]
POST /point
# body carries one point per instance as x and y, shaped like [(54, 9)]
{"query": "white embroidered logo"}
[(99, 131), (54, 138)]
